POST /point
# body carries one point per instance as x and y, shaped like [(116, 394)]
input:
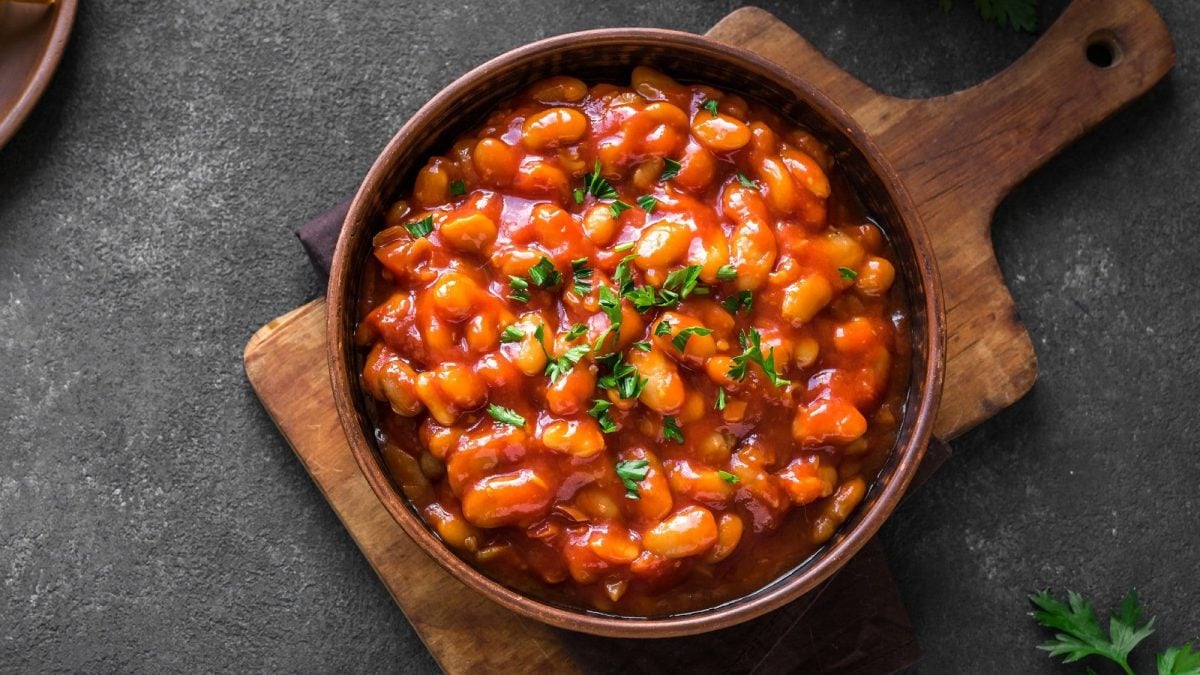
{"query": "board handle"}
[(973, 146)]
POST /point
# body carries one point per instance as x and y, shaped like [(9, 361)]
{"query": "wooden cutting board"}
[(959, 155)]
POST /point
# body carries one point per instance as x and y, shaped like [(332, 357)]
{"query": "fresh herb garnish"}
[(752, 353), (420, 228), (505, 416), (1018, 15), (644, 345), (618, 207), (622, 376), (630, 471), (643, 298), (544, 274), (738, 301), (681, 282), (621, 248), (623, 275), (711, 106), (610, 304), (847, 273), (576, 331), (582, 276), (520, 289), (557, 366), (663, 328), (746, 182), (512, 334), (599, 410), (720, 403), (647, 203), (726, 273), (671, 430), (579, 194), (598, 186), (670, 169), (458, 188), (1079, 635), (728, 477), (681, 338)]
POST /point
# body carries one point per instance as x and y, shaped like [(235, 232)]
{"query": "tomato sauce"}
[(634, 349)]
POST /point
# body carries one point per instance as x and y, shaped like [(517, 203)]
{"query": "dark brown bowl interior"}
[(609, 55)]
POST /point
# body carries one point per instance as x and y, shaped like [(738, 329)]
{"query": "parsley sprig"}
[(1079, 635), (505, 416), (557, 366), (630, 471), (751, 343), (599, 410), (1019, 15)]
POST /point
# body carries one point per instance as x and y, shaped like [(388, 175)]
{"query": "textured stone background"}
[(152, 519)]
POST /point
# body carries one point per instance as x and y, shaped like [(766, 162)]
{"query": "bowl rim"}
[(808, 574)]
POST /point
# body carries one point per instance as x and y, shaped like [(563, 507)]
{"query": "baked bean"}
[(552, 128), (681, 262), (471, 233), (689, 531)]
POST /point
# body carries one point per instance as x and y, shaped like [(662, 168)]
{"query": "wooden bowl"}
[(609, 55)]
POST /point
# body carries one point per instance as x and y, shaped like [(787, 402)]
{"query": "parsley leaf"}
[(728, 477), (644, 345), (847, 274), (544, 274), (671, 430), (682, 281), (737, 301), (599, 410), (663, 328), (622, 376), (582, 276), (681, 338), (647, 203), (726, 273), (720, 403), (630, 471), (621, 248), (623, 275), (618, 207), (711, 106), (420, 228), (598, 186), (610, 304), (520, 289), (752, 353), (1079, 634), (579, 194), (505, 416), (1179, 661), (670, 170), (458, 188), (746, 182), (512, 334), (576, 331), (1019, 15)]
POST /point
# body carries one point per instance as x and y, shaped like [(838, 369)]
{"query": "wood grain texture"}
[(960, 154)]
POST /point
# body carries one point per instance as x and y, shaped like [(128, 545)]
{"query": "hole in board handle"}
[(1103, 50)]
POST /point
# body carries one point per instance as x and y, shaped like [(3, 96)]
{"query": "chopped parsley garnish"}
[(599, 410), (598, 186), (711, 106), (681, 282), (671, 430), (752, 353), (726, 273), (621, 248), (610, 304), (647, 203), (579, 194), (458, 188), (681, 338), (746, 182), (644, 345), (670, 169), (738, 301), (630, 471), (544, 274), (720, 404), (618, 207), (576, 332), (728, 477), (557, 366), (512, 334), (643, 298), (622, 376), (505, 416), (520, 289), (582, 276), (663, 328), (420, 228), (623, 275), (847, 273)]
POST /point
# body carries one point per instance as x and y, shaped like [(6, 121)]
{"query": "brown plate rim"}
[(736, 611), (35, 86)]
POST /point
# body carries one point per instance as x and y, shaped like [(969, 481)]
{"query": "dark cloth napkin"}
[(855, 623)]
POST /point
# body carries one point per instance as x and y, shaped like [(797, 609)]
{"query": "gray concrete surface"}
[(152, 519)]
